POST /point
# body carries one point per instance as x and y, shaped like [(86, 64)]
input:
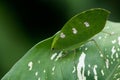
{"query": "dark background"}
[(24, 23)]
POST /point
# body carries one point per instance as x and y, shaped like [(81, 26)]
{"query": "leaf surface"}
[(86, 63)]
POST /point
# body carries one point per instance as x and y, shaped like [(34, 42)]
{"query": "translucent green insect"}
[(80, 29)]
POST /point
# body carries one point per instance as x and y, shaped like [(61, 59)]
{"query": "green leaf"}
[(41, 64), (88, 62), (80, 29)]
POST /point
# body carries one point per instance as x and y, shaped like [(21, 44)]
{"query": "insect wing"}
[(80, 28)]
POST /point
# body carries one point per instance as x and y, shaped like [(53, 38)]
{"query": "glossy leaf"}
[(88, 63), (80, 29)]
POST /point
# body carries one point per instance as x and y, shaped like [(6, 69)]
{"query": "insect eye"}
[(52, 49)]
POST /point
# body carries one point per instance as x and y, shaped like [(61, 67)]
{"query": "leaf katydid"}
[(79, 29)]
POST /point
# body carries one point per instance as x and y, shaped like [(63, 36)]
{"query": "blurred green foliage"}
[(23, 23), (13, 42)]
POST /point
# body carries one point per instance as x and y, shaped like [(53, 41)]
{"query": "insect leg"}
[(96, 45), (100, 50), (107, 33)]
